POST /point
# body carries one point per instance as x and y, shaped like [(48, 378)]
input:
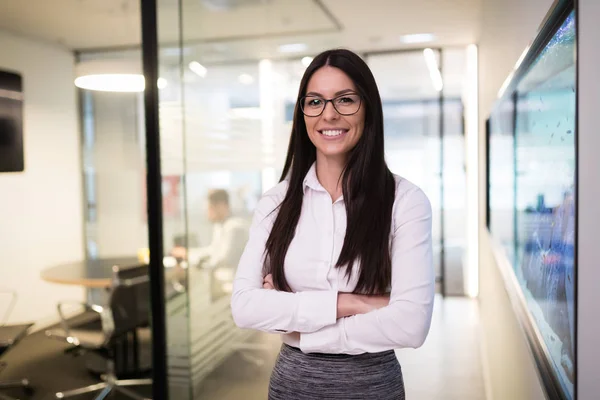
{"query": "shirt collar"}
[(311, 180)]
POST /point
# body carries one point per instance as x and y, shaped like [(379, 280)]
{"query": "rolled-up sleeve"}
[(405, 322), (270, 310)]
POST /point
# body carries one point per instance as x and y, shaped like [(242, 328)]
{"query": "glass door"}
[(167, 222), (422, 93), (412, 109)]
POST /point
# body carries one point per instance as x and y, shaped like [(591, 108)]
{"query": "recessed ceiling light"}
[(292, 48), (418, 38), (306, 61), (198, 68)]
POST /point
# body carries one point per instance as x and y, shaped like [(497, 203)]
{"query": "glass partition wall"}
[(114, 182), (225, 110)]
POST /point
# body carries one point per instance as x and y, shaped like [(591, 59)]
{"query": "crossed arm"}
[(332, 322), (347, 303)]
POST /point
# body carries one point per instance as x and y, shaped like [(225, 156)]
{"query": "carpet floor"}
[(43, 361)]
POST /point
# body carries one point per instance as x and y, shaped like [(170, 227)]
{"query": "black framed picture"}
[(11, 122)]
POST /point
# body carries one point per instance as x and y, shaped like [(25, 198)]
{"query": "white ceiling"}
[(250, 29), (241, 36)]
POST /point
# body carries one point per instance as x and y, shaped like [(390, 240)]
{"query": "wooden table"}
[(91, 273)]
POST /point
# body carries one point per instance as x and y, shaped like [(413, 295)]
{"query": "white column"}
[(470, 100), (588, 197)]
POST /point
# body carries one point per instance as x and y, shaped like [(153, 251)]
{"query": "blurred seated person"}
[(229, 236)]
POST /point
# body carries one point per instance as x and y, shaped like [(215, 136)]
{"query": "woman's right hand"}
[(268, 282), (351, 304)]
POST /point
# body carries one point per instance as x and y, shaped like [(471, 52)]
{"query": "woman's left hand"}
[(268, 282)]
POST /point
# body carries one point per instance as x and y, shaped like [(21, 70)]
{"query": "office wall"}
[(507, 28), (41, 208)]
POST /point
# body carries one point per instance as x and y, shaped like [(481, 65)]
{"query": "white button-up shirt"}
[(311, 308)]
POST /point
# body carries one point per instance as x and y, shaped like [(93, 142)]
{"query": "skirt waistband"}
[(368, 356)]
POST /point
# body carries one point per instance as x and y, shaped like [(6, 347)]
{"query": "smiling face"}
[(333, 134)]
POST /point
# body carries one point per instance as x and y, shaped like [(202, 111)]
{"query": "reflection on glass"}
[(543, 195)]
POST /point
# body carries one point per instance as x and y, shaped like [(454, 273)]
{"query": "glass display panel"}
[(532, 187)]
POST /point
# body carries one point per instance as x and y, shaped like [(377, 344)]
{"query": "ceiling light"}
[(111, 82), (306, 61), (198, 68), (417, 38), (292, 48), (110, 75), (125, 83), (246, 79), (434, 71)]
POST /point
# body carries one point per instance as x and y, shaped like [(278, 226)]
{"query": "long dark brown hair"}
[(367, 183)]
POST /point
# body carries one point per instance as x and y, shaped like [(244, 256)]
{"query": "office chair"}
[(127, 309), (9, 336)]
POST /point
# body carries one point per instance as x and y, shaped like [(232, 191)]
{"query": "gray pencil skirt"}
[(300, 376)]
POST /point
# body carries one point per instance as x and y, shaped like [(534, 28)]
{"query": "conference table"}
[(97, 274), (212, 330)]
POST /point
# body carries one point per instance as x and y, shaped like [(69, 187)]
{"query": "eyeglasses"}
[(346, 104)]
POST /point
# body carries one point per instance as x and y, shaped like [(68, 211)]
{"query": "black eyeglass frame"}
[(360, 101)]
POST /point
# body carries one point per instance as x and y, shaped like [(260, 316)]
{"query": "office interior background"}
[(228, 76)]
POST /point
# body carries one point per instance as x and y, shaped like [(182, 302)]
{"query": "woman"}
[(339, 257)]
